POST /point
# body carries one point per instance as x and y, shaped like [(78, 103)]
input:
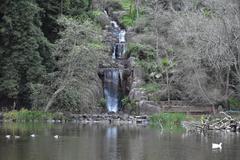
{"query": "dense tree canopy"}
[(28, 29)]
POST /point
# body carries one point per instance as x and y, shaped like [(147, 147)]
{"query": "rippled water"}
[(102, 142)]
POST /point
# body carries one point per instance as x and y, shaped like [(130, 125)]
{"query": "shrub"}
[(129, 105), (130, 18), (102, 103), (207, 12), (151, 87), (141, 51), (167, 120), (25, 115), (127, 20), (234, 103)]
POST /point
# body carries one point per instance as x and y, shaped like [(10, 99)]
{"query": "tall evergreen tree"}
[(24, 53), (51, 9)]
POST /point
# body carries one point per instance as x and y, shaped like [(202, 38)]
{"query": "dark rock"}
[(233, 126), (1, 116), (103, 20), (111, 6), (148, 107)]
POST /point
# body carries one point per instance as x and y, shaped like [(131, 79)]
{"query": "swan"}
[(217, 146), (56, 136), (16, 137), (8, 136), (33, 135)]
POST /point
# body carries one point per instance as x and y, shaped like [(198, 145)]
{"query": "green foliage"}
[(29, 73), (48, 14), (73, 7), (126, 4), (25, 115), (129, 105), (149, 66), (207, 12), (79, 51), (130, 18), (141, 51), (167, 120), (234, 103), (96, 13), (170, 50), (102, 103), (165, 62), (151, 87), (25, 54), (127, 20)]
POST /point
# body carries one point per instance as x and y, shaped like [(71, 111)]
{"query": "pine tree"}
[(24, 53), (51, 9)]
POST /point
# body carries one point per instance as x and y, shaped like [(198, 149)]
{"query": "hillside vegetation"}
[(188, 50)]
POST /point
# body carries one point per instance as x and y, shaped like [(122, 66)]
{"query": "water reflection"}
[(100, 142), (111, 143)]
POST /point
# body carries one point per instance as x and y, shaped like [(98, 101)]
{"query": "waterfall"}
[(105, 12), (122, 36), (111, 89), (112, 79)]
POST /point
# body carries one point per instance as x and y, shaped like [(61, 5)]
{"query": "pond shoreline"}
[(106, 118)]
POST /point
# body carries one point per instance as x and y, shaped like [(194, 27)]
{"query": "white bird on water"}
[(8, 136), (217, 146), (56, 136), (33, 135)]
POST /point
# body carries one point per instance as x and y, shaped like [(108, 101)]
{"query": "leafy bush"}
[(167, 120), (165, 62), (151, 87), (129, 105), (25, 115), (234, 103), (129, 19), (207, 12), (102, 103), (137, 49)]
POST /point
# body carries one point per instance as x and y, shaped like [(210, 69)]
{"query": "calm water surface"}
[(102, 142)]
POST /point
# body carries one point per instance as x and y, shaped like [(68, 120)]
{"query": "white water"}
[(106, 13), (111, 89), (115, 25), (112, 76), (122, 36)]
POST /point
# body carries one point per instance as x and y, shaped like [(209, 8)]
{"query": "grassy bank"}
[(168, 120), (25, 115)]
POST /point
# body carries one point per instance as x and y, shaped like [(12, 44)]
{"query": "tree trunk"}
[(51, 100), (168, 87)]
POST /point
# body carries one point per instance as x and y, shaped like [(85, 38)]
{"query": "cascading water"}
[(111, 89), (112, 80)]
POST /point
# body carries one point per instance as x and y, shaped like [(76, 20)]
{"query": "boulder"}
[(103, 20), (137, 94), (148, 107)]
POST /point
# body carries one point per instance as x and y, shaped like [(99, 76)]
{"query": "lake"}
[(110, 142)]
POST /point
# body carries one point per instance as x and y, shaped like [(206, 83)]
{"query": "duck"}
[(56, 136), (16, 137), (33, 135), (8, 136), (217, 146)]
